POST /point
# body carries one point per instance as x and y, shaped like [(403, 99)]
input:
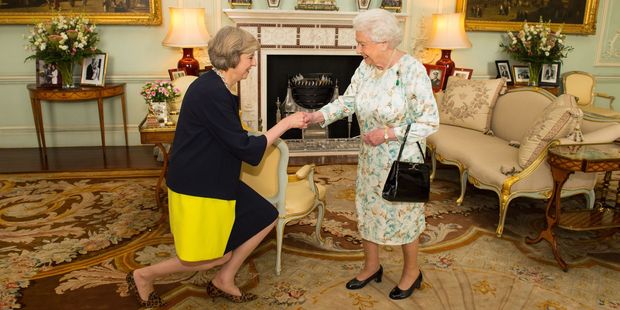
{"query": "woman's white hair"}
[(380, 25)]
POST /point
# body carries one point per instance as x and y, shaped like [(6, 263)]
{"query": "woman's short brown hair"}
[(228, 45)]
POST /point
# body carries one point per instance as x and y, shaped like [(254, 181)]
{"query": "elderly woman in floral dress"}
[(388, 91)]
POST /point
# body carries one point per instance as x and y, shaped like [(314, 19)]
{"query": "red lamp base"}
[(188, 62), (446, 61)]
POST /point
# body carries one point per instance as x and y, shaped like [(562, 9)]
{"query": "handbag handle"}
[(405, 141)]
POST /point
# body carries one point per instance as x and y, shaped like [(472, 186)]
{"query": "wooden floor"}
[(25, 160)]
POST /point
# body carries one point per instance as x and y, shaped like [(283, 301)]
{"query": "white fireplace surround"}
[(287, 32)]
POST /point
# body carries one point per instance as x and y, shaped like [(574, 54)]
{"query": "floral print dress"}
[(395, 97)]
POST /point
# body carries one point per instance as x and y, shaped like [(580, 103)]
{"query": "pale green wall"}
[(136, 56)]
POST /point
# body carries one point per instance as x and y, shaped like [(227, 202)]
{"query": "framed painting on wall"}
[(111, 12), (578, 17)]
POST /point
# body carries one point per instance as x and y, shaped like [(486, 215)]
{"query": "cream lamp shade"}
[(448, 33), (187, 30)]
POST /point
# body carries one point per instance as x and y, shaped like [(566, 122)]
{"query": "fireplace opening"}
[(280, 68)]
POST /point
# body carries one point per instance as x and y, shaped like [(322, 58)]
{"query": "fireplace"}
[(282, 67)]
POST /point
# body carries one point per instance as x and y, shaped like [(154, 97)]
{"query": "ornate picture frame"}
[(437, 74), (464, 73), (94, 69), (521, 74), (392, 5), (111, 12), (503, 70), (550, 74), (581, 15)]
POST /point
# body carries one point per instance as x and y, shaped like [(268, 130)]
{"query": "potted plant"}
[(536, 45), (158, 95), (64, 42)]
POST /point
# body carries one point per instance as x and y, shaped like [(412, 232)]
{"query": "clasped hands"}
[(303, 119)]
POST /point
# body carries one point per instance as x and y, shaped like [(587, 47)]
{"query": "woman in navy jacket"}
[(214, 217)]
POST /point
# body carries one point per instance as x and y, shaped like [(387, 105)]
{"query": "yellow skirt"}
[(201, 226)]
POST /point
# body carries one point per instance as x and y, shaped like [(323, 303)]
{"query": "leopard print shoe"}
[(154, 299), (214, 292)]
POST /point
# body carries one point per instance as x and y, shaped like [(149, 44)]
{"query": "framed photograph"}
[(437, 74), (521, 74), (111, 12), (93, 70), (176, 73), (503, 70), (463, 73), (48, 76), (550, 74), (392, 5), (577, 17), (240, 4)]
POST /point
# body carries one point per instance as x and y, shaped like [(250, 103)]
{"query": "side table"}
[(81, 93), (564, 161), (158, 136)]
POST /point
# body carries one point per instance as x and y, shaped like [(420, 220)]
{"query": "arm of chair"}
[(605, 134), (606, 96)]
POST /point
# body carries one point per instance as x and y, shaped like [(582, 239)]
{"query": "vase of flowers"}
[(63, 41), (536, 45), (158, 95)]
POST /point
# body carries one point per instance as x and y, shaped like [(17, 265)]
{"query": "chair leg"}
[(463, 180), (319, 221), (590, 199), (279, 237), (503, 209), (433, 165)]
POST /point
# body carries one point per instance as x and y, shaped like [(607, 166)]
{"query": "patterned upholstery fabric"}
[(558, 120), (469, 103)]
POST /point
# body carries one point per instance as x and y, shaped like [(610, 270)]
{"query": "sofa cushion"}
[(558, 120), (469, 103)]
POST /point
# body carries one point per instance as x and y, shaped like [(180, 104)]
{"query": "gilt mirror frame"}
[(498, 22), (149, 13)]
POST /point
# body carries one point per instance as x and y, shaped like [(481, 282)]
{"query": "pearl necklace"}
[(219, 73)]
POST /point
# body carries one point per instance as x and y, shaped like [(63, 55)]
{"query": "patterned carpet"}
[(68, 239)]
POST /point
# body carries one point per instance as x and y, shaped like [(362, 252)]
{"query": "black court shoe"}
[(397, 293), (355, 284)]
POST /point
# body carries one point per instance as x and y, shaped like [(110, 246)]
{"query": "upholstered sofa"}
[(492, 146)]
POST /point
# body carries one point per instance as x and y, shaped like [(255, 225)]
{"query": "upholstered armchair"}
[(581, 85), (294, 196)]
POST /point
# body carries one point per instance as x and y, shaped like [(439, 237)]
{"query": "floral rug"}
[(69, 239)]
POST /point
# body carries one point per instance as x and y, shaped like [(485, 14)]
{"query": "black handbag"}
[(408, 182)]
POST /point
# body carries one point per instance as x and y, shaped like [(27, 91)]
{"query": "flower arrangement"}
[(63, 41), (159, 91), (537, 43)]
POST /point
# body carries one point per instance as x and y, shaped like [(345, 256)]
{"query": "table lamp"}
[(448, 33), (187, 30)]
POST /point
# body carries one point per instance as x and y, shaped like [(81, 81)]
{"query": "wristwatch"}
[(385, 133)]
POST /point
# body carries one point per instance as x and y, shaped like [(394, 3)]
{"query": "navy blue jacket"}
[(209, 143)]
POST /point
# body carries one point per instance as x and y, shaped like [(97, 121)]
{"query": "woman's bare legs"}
[(145, 276), (371, 260), (225, 278), (410, 267)]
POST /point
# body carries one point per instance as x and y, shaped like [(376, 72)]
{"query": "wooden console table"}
[(81, 93), (564, 161), (158, 136)]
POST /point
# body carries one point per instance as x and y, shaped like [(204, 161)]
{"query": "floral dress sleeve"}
[(344, 105)]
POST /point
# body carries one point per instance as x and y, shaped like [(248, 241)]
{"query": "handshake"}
[(303, 119)]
